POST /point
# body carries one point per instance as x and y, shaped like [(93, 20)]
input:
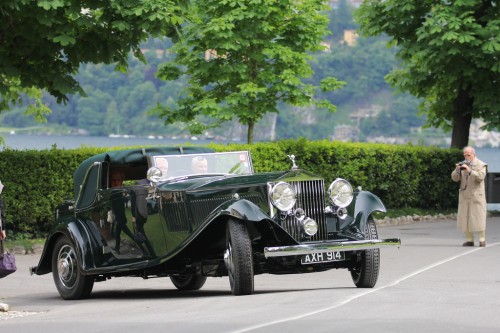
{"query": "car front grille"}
[(311, 198)]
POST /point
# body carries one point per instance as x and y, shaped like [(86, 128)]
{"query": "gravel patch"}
[(16, 314)]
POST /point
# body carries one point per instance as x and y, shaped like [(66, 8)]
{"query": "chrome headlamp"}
[(283, 196), (340, 192), (154, 174), (309, 226)]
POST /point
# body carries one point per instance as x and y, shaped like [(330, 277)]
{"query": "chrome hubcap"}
[(66, 266)]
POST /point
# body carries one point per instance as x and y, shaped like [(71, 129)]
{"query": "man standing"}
[(471, 217)]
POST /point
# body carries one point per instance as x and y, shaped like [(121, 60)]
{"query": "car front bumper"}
[(329, 246)]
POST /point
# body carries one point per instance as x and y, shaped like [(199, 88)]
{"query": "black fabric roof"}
[(132, 161)]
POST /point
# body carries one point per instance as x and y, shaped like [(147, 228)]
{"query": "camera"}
[(461, 164)]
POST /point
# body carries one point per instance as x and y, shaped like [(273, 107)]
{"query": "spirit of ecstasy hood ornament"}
[(292, 157)]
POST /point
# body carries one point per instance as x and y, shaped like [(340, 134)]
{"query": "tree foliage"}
[(362, 65), (450, 52), (43, 43), (242, 58)]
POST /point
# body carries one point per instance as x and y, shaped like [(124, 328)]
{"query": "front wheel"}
[(365, 271), (188, 282), (238, 258), (69, 281)]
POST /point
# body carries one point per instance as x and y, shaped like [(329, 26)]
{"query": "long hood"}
[(233, 181), (200, 183)]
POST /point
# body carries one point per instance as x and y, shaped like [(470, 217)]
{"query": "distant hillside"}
[(119, 104)]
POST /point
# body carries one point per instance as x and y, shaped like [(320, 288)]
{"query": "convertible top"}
[(133, 162)]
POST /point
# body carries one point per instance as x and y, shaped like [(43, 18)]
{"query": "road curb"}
[(386, 221)]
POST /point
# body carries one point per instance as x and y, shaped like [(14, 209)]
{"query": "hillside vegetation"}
[(119, 103)]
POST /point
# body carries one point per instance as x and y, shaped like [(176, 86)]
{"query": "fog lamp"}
[(309, 226)]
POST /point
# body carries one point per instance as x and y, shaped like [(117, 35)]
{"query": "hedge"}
[(36, 181)]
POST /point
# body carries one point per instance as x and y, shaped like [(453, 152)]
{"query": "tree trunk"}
[(272, 134), (462, 119), (250, 132)]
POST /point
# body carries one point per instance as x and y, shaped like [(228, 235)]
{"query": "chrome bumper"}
[(329, 246)]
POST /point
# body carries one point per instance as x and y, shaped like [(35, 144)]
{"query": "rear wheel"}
[(365, 272), (69, 280), (188, 282), (238, 258)]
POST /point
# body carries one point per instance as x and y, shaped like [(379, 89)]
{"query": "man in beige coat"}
[(471, 217)]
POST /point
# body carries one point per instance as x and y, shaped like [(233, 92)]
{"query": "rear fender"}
[(79, 236)]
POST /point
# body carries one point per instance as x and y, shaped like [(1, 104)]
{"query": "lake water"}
[(40, 142)]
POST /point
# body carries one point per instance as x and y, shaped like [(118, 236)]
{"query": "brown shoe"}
[(482, 244), (468, 244)]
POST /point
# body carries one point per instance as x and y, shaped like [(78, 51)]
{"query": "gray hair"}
[(471, 149)]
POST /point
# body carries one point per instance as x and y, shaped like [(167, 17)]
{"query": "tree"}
[(450, 52), (43, 43), (242, 58)]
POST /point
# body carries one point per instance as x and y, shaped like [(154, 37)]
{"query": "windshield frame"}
[(203, 164)]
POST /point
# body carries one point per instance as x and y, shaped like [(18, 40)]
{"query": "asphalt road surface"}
[(430, 284)]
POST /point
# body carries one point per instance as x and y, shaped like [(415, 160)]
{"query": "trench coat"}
[(472, 208)]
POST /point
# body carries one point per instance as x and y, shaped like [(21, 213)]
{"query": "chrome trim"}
[(329, 246), (294, 166)]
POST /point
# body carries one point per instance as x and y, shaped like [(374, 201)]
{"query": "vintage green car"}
[(189, 213)]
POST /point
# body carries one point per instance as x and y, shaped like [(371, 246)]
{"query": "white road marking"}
[(350, 299)]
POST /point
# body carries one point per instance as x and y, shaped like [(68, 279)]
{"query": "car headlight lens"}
[(340, 192), (283, 196), (309, 226), (154, 174)]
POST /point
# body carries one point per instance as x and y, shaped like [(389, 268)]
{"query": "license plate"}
[(315, 258)]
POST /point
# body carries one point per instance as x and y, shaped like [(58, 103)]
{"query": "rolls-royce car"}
[(190, 213)]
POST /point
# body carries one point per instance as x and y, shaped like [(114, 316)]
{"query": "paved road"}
[(430, 284)]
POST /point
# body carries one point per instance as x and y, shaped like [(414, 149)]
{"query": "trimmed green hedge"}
[(402, 176)]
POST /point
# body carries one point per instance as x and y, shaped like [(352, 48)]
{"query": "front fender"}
[(366, 203), (241, 209), (79, 236), (261, 226)]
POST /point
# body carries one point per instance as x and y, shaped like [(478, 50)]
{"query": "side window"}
[(90, 186)]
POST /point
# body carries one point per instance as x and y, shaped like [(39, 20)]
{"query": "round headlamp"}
[(154, 174), (340, 192), (283, 196), (309, 226)]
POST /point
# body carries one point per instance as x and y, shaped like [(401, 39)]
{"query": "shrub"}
[(402, 176)]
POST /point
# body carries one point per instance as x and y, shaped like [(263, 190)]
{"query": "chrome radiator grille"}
[(311, 198)]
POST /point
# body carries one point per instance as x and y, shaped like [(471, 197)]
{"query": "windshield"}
[(170, 166)]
